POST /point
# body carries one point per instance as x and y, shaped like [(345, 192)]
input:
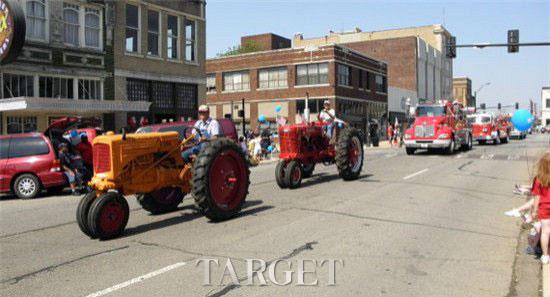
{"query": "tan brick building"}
[(355, 83), (159, 57), (417, 65), (462, 91)]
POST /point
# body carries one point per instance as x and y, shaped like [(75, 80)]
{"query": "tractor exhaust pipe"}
[(306, 109)]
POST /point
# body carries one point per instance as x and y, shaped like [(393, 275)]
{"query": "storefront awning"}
[(73, 106)]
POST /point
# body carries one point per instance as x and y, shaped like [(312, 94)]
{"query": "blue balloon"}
[(340, 125), (278, 108), (270, 148), (261, 118), (74, 133), (522, 120)]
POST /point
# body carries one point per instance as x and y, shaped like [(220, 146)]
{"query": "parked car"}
[(28, 162), (227, 126)]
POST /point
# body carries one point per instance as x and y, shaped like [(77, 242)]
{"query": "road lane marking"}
[(136, 280), (415, 174)]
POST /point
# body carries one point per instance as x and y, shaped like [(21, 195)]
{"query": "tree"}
[(248, 47)]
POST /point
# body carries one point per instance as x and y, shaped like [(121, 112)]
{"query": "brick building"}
[(417, 65), (462, 91), (159, 57), (63, 69), (355, 83)]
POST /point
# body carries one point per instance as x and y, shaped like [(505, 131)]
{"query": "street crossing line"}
[(415, 174), (136, 280)]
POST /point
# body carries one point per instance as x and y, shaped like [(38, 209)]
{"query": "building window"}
[(21, 124), (315, 105), (36, 20), (89, 89), (172, 37), (364, 79), (548, 103), (236, 81), (186, 99), (55, 87), (162, 95), (70, 24), (211, 83), (92, 27), (132, 28), (190, 33), (344, 75), (312, 74), (153, 33), (381, 84), (273, 78), (137, 90), (17, 85)]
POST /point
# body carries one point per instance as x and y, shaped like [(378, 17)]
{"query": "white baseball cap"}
[(204, 108), (326, 102)]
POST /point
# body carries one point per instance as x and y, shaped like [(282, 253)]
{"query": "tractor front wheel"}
[(293, 174), (108, 216), (82, 212), (161, 201), (221, 178), (349, 154), (280, 174)]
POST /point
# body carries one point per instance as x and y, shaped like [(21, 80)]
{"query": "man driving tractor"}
[(328, 115), (209, 129)]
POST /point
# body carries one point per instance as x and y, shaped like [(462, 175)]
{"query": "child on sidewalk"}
[(541, 202)]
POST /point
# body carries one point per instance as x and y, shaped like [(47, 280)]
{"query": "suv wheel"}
[(26, 186)]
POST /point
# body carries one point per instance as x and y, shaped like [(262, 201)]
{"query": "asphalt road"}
[(423, 225)]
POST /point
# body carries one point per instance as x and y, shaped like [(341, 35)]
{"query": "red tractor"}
[(304, 145)]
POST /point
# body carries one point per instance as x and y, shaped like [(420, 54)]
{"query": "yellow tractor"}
[(150, 166)]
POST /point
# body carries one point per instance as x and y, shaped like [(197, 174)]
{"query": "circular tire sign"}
[(12, 30)]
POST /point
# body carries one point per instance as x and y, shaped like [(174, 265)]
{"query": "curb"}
[(546, 280)]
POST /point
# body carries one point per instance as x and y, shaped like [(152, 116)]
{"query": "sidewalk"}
[(545, 280)]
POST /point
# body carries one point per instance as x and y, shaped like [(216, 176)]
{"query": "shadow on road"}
[(324, 177), (189, 216)]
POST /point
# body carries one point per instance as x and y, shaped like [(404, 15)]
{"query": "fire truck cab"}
[(489, 127), (439, 125)]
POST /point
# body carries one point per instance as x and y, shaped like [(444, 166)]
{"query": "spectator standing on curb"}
[(389, 132)]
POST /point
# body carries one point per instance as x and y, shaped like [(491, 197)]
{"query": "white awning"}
[(68, 105)]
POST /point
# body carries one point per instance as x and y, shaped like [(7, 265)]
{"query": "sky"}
[(513, 78)]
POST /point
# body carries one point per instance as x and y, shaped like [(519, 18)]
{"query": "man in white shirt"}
[(328, 115), (209, 129)]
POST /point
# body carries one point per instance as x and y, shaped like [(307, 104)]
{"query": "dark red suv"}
[(28, 162)]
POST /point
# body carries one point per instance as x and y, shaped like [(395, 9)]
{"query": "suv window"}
[(28, 146), (4, 145), (179, 129)]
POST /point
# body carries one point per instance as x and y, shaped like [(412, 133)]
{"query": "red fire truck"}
[(439, 125), (489, 127)]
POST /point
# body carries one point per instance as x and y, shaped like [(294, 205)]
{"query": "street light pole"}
[(479, 89)]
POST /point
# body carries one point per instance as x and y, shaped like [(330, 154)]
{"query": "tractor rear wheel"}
[(161, 201), (293, 174), (82, 212), (221, 178), (108, 216), (349, 154), (280, 175), (307, 170)]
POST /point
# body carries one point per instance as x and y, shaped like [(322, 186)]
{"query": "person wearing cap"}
[(328, 115), (209, 129)]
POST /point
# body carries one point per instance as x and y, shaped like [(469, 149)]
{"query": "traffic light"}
[(517, 105), (451, 47), (499, 106), (482, 106), (513, 40)]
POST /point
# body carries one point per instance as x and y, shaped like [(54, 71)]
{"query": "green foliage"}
[(248, 47)]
